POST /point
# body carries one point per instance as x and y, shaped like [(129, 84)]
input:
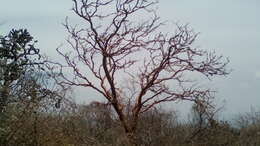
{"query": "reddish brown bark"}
[(109, 48)]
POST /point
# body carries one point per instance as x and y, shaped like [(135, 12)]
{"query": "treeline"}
[(97, 125)]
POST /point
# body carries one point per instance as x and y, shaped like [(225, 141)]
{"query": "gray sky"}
[(230, 27)]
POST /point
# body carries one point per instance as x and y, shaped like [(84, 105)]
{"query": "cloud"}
[(257, 74)]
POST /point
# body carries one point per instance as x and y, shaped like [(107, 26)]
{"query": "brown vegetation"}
[(93, 125)]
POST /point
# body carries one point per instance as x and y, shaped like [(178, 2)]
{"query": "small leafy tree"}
[(134, 65), (17, 56), (25, 87)]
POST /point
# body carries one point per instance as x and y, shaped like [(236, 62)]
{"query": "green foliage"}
[(17, 52), (25, 90), (18, 56)]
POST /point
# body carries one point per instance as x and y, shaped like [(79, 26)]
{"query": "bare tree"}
[(133, 65)]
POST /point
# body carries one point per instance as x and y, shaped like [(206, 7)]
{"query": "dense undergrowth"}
[(96, 125)]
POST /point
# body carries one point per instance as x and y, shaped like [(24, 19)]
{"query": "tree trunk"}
[(131, 138), (4, 97)]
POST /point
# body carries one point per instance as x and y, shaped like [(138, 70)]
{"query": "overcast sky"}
[(230, 27)]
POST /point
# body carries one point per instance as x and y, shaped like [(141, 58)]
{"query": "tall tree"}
[(132, 64)]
